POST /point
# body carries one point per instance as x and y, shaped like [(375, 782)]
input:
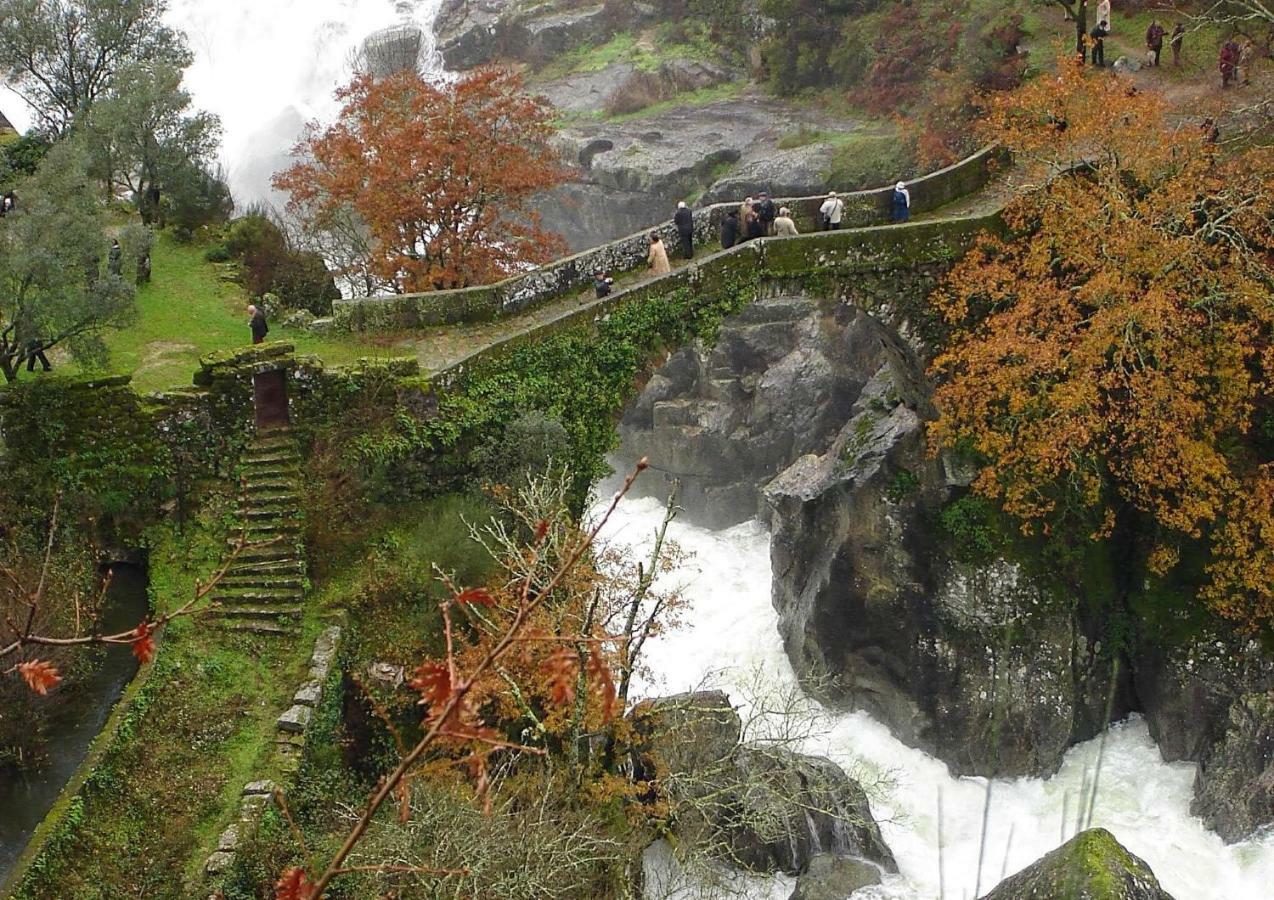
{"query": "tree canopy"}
[(421, 186), (52, 287), (61, 55), (1111, 360)]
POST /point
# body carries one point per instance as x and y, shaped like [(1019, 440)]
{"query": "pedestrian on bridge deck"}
[(900, 203), (685, 221), (730, 229), (783, 225), (831, 212), (658, 257)]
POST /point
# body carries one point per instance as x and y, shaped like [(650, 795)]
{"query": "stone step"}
[(250, 579), (270, 499), (270, 469), (257, 612), (273, 552), (273, 440), (272, 484), (261, 531), (257, 458), (252, 626), (274, 513), (283, 567), (231, 595)]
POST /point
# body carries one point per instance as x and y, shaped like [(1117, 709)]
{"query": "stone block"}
[(219, 863), (309, 694), (295, 719), (229, 839), (259, 789)]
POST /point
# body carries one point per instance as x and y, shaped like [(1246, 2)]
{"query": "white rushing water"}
[(729, 633), (267, 67)]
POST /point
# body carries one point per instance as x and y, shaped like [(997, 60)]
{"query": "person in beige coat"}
[(658, 257), (783, 225)]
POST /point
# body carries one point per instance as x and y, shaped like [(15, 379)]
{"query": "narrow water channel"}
[(77, 715)]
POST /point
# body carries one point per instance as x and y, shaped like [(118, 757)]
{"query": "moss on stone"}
[(1090, 866)]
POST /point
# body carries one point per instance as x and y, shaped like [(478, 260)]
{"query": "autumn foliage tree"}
[(1111, 360), (424, 186)]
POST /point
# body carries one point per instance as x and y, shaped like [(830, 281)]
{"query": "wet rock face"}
[(757, 806), (1234, 788), (1090, 866), (777, 385)]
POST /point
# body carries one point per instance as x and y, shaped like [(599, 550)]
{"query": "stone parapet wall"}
[(405, 312)]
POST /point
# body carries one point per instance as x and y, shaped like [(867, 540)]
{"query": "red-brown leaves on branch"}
[(440, 175), (294, 885), (433, 682), (40, 675), (476, 596), (143, 642), (561, 674)]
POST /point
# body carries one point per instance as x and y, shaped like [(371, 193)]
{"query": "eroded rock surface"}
[(1090, 866)]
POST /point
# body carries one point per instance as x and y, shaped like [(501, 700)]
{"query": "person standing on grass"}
[(1178, 35), (35, 351), (1243, 66), (115, 259), (1228, 61), (1154, 40), (257, 323), (685, 221), (783, 225), (832, 211), (730, 229), (1098, 35), (658, 257), (900, 203)]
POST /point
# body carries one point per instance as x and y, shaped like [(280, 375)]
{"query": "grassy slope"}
[(198, 731), (187, 311)]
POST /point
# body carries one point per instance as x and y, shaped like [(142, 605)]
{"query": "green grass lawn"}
[(187, 311)]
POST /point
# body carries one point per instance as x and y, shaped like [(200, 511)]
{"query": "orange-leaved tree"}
[(424, 185), (1111, 360)]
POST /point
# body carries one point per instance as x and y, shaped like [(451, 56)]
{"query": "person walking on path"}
[(752, 226), (1098, 35), (783, 225), (1154, 40), (603, 284), (746, 209), (685, 221), (1228, 61), (1243, 65), (730, 229), (115, 259), (900, 203), (35, 351), (1178, 35), (658, 257), (257, 323), (831, 212), (766, 212)]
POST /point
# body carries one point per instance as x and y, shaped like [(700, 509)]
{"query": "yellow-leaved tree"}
[(1110, 359)]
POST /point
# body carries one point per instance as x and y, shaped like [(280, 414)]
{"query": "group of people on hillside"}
[(1234, 59)]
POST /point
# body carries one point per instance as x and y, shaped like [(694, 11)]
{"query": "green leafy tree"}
[(145, 139), (53, 290), (61, 55)]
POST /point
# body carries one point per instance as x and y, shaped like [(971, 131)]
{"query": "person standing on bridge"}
[(730, 229), (831, 212), (900, 203), (783, 225), (658, 257), (685, 221), (766, 212)]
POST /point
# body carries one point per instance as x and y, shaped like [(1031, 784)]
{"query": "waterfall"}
[(730, 628)]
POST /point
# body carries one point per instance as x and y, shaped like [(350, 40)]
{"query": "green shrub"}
[(870, 160), (974, 528)]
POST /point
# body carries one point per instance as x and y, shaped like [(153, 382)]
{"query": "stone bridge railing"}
[(405, 312), (876, 268)]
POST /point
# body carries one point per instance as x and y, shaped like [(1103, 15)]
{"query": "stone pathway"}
[(262, 591)]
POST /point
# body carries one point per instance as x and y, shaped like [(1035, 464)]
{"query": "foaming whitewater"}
[(729, 632), (267, 68)]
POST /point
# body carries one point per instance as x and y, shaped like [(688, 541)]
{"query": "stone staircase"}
[(263, 590)]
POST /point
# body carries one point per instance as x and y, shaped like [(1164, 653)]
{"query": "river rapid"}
[(729, 638)]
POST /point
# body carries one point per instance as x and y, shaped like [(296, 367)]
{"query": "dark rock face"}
[(777, 385), (1090, 866), (757, 806), (1234, 788)]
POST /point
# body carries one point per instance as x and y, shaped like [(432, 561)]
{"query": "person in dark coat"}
[(900, 203), (1154, 40), (766, 213), (730, 229), (1228, 62), (1098, 35), (752, 226), (257, 323), (685, 221), (603, 284), (115, 259)]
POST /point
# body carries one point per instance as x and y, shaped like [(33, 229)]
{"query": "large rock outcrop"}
[(757, 806), (1090, 866)]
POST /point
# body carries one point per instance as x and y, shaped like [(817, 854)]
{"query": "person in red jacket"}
[(1228, 61)]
